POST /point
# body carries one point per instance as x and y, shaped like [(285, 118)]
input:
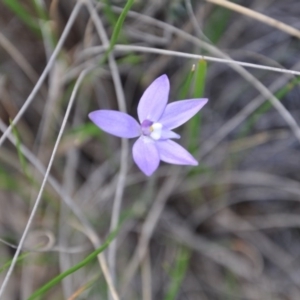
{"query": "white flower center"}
[(155, 129)]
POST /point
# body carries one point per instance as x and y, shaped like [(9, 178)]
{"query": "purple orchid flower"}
[(157, 119)]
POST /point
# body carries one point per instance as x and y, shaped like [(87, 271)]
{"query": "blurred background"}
[(226, 229)]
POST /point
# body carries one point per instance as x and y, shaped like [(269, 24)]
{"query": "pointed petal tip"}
[(154, 99), (194, 163), (148, 174), (90, 115), (94, 115), (164, 76), (202, 101), (172, 153), (166, 80)]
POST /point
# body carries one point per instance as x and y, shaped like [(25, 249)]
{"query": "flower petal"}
[(178, 112), (145, 155), (116, 123), (173, 153), (154, 99)]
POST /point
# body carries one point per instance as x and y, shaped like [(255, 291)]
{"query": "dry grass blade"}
[(258, 16), (129, 48), (124, 147)]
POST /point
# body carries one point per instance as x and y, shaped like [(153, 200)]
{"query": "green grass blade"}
[(12, 184), (200, 78), (7, 182), (7, 264), (83, 132), (130, 58), (19, 10), (217, 23), (231, 285), (117, 30), (41, 291), (119, 24), (194, 125), (40, 10), (112, 18), (178, 273), (186, 85), (20, 154), (110, 15)]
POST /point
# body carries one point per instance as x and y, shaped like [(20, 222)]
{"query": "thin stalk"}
[(122, 106)]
